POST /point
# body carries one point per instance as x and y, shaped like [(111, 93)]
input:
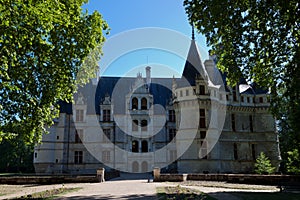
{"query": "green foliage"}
[(259, 40), (16, 156), (293, 164), (43, 47), (263, 165)]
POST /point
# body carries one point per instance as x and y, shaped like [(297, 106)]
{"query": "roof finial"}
[(193, 32)]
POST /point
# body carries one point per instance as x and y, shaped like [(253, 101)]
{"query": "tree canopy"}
[(43, 47), (260, 41)]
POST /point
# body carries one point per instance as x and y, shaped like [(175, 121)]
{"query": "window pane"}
[(79, 115), (134, 103), (106, 115), (144, 104), (172, 116)]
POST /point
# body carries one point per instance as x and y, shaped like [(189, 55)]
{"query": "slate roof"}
[(117, 88), (160, 88), (193, 67)]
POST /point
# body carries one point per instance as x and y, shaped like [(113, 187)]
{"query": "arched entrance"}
[(144, 166), (135, 166)]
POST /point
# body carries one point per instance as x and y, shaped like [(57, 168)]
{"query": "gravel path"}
[(131, 189)]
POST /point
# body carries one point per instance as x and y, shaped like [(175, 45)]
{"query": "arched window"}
[(144, 166), (235, 151), (144, 104), (135, 146), (144, 124), (135, 166), (134, 103), (144, 146), (135, 125)]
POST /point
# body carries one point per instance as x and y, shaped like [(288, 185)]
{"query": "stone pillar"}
[(156, 174), (100, 174)]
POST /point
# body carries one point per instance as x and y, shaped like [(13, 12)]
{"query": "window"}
[(242, 99), (172, 117), (135, 146), (78, 157), (172, 133), (235, 151), (181, 93), (144, 146), (202, 135), (202, 118), (201, 90), (144, 125), (135, 166), (233, 122), (134, 103), (234, 96), (79, 115), (227, 97), (144, 104), (248, 99), (173, 155), (221, 97), (251, 123), (144, 166), (261, 99), (35, 155), (135, 124), (106, 115), (106, 135), (187, 93), (203, 150), (106, 156), (57, 137), (78, 135), (253, 153)]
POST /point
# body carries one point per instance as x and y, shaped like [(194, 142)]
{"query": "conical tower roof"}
[(193, 66)]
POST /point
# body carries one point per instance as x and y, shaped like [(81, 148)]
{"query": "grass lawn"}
[(49, 194), (266, 195), (177, 193)]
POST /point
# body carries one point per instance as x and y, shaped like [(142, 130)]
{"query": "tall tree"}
[(43, 47), (259, 40)]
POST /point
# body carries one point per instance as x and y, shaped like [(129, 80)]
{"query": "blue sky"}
[(125, 15)]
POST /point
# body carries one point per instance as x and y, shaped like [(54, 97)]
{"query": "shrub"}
[(263, 165), (293, 163)]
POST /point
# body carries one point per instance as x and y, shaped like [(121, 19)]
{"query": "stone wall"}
[(15, 180), (230, 178)]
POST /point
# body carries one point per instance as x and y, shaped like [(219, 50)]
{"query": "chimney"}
[(209, 66), (148, 75), (96, 79)]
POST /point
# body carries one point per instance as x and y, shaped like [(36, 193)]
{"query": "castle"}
[(193, 124)]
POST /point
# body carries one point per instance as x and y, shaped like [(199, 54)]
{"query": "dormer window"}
[(79, 115), (201, 90), (144, 104), (134, 103), (106, 115)]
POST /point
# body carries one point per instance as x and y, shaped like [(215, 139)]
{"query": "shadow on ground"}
[(133, 196), (133, 176)]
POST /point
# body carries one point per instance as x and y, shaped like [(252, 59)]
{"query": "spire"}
[(193, 32), (193, 66)]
